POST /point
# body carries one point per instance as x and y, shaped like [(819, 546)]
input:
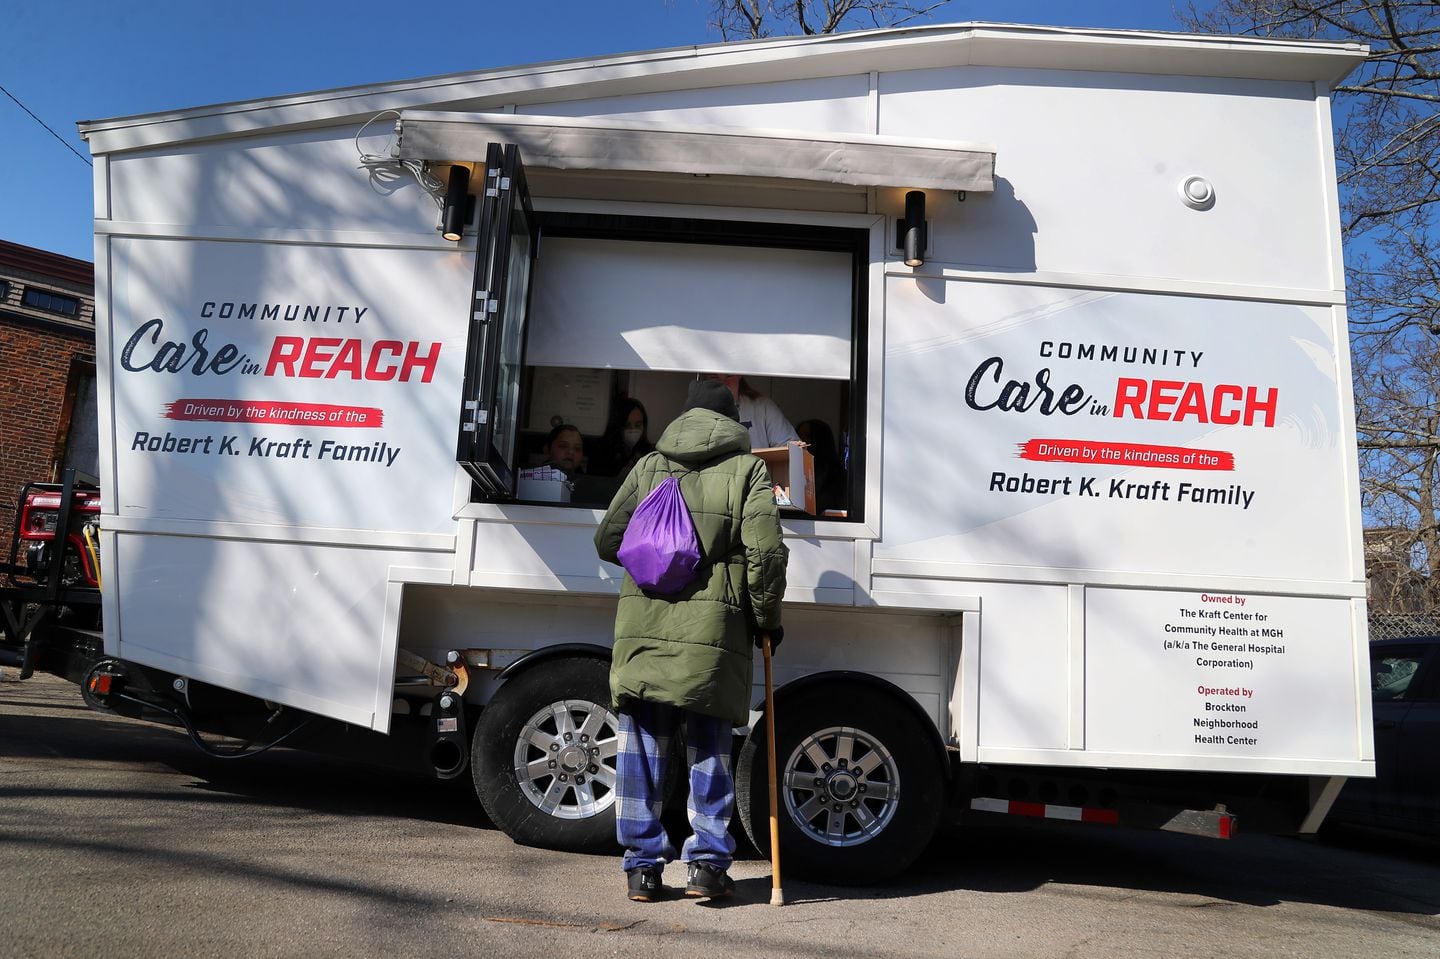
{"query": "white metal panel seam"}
[(1063, 576), (1076, 627), (1364, 707), (388, 652), (1325, 133), (1109, 282)]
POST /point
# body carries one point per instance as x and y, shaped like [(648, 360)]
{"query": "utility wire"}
[(46, 126)]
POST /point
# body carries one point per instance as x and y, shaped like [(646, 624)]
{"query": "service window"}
[(625, 312)]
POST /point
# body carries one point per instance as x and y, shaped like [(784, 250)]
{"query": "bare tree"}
[(1397, 397), (752, 19), (1387, 153)]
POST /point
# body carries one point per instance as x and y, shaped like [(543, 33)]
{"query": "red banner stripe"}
[(1104, 453), (275, 411)]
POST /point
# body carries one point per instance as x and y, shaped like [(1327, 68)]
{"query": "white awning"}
[(636, 305), (569, 143)]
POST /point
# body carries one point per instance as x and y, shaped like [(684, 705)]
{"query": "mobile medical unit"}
[(1070, 301)]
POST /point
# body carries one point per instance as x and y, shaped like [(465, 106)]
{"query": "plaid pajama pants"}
[(646, 730)]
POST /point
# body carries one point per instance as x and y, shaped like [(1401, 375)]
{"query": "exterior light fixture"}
[(456, 211), (911, 233)]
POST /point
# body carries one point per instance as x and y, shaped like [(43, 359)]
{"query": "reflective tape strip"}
[(1043, 811), (1100, 815)]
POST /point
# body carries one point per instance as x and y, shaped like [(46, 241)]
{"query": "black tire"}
[(539, 787), (888, 790)]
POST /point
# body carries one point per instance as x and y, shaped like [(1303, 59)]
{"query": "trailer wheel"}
[(860, 788), (543, 757)]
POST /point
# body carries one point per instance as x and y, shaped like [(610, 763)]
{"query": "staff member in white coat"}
[(759, 414)]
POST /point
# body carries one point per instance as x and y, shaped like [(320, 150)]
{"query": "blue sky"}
[(71, 60)]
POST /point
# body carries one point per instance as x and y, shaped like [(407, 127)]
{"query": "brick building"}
[(47, 372)]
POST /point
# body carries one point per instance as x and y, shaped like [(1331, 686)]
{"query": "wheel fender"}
[(881, 687), (535, 657)]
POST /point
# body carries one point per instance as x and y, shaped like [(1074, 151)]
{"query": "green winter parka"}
[(693, 649)]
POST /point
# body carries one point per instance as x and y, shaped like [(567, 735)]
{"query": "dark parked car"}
[(1405, 793)]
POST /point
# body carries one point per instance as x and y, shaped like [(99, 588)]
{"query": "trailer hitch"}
[(442, 728), (109, 685), (450, 745)]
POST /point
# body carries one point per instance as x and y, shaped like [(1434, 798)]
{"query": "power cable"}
[(46, 126), (417, 168)]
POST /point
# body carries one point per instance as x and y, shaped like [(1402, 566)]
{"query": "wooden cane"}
[(777, 895)]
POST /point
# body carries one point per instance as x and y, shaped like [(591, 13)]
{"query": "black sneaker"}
[(708, 881), (645, 884)]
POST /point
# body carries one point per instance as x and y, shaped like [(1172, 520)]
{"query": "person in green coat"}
[(687, 657)]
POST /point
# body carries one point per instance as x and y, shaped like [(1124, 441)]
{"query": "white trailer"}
[(1098, 551)]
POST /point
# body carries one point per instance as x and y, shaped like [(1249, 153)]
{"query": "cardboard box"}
[(793, 469)]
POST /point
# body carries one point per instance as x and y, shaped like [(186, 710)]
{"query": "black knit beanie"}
[(714, 396)]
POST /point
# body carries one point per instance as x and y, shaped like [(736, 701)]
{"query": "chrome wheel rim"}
[(841, 786), (565, 759)]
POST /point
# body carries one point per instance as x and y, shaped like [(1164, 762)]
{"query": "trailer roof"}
[(749, 62)]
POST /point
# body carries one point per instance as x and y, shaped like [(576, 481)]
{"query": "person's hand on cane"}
[(776, 635)]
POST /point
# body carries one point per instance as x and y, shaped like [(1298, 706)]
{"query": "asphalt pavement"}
[(117, 838)]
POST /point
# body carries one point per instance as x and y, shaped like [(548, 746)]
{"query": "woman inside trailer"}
[(626, 438)]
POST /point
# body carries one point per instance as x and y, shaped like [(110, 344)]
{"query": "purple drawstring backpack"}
[(660, 550)]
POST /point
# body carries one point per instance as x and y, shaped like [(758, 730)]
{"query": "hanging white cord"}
[(417, 168)]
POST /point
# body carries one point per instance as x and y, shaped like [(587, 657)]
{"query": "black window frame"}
[(854, 241), (52, 297), (505, 201)]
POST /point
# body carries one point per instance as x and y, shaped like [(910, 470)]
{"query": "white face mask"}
[(632, 437)]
